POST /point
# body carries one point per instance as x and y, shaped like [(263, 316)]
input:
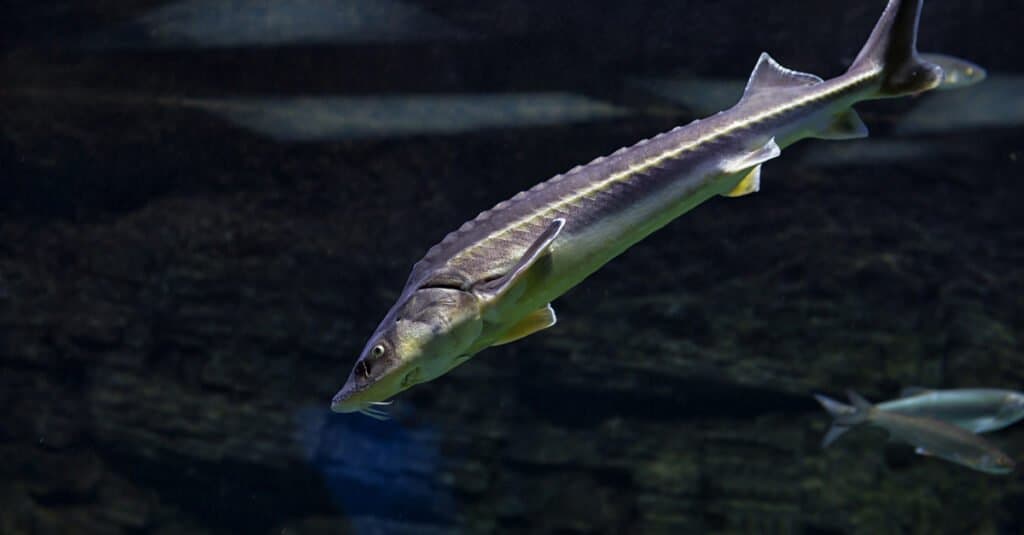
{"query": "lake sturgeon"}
[(492, 281)]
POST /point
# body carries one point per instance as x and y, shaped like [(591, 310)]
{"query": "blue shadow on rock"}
[(379, 472)]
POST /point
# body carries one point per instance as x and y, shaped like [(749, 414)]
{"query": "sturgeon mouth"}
[(373, 409), (338, 405)]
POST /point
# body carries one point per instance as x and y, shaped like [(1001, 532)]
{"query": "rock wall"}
[(180, 298)]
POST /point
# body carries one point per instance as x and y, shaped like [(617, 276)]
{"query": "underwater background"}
[(206, 206)]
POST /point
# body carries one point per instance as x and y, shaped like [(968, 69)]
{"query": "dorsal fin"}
[(858, 401), (914, 391), (768, 74)]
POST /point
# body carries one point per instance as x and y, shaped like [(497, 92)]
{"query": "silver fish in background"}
[(333, 117), (708, 95), (929, 436), (997, 103), (492, 281), (337, 117), (217, 24), (889, 151), (978, 410), (957, 73)]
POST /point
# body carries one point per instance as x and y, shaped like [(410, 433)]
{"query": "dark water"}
[(206, 207)]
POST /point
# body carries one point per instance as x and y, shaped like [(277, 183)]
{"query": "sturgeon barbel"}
[(492, 281)]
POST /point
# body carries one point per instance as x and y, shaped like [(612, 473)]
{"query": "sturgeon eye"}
[(377, 351)]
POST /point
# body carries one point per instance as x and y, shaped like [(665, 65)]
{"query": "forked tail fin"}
[(844, 416), (892, 48)]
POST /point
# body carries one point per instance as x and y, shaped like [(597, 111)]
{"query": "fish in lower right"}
[(978, 410), (951, 440)]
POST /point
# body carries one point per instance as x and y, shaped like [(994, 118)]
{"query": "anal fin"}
[(750, 184), (537, 320), (845, 125)]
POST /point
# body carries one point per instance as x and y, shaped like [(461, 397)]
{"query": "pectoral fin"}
[(921, 451), (750, 184), (495, 290), (537, 320)]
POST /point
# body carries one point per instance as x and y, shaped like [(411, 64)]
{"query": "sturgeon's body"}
[(491, 281), (613, 202)]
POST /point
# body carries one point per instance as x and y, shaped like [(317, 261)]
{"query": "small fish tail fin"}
[(844, 417), (892, 47), (861, 404)]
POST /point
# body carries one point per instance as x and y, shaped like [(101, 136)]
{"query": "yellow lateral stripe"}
[(666, 155)]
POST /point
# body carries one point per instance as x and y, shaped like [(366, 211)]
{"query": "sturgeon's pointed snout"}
[(342, 401), (338, 403)]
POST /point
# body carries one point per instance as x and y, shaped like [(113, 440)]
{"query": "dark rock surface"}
[(179, 297)]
